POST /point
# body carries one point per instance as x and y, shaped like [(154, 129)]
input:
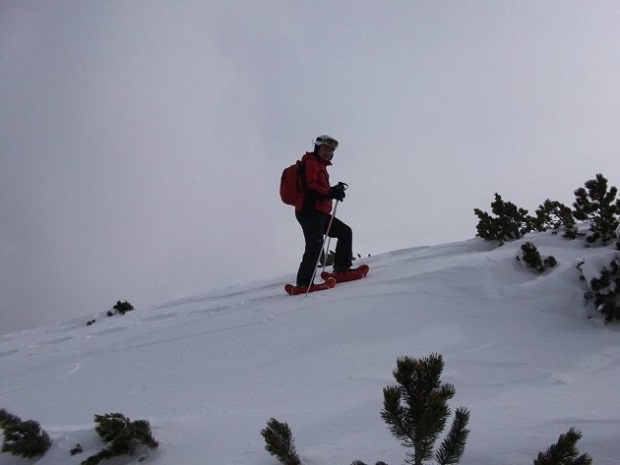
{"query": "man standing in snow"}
[(313, 209)]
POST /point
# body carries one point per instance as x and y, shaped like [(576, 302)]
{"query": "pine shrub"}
[(564, 452), (508, 223), (122, 435), (531, 257), (599, 206), (605, 291), (416, 411), (555, 216), (279, 442), (76, 450), (120, 308), (23, 438)]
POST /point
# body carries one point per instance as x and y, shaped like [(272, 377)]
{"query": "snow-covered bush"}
[(120, 308), (603, 279), (23, 438), (122, 436), (531, 257)]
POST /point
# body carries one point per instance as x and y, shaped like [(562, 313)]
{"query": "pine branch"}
[(564, 452), (453, 446), (394, 415), (280, 443)]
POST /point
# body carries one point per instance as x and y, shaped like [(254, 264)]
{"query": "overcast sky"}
[(142, 142)]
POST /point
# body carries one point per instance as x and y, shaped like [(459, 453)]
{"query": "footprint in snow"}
[(110, 331), (163, 316), (8, 352), (56, 341)]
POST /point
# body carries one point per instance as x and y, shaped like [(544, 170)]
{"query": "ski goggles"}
[(325, 140)]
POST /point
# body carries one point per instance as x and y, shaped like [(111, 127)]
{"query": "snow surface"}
[(523, 351)]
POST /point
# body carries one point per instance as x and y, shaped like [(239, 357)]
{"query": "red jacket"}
[(317, 181)]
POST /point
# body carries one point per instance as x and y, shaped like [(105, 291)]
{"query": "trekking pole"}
[(329, 227), (325, 252), (318, 260)]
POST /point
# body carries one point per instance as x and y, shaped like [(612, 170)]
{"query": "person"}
[(313, 212)]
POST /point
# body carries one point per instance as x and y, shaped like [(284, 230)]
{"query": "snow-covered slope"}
[(210, 370)]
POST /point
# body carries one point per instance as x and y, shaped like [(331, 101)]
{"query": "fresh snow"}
[(527, 356)]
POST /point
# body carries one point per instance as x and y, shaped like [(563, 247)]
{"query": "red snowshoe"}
[(328, 283), (350, 275)]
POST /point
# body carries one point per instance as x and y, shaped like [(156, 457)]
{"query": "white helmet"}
[(326, 140)]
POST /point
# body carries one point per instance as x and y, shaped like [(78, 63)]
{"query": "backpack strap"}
[(301, 174), (309, 195)]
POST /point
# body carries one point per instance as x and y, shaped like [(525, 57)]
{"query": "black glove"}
[(337, 192)]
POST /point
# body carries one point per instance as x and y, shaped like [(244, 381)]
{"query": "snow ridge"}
[(527, 357)]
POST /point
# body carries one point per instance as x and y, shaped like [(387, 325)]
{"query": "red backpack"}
[(291, 183)]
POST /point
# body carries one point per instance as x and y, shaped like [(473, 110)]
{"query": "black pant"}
[(314, 225)]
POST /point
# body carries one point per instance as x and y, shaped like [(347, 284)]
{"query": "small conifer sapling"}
[(597, 204), (507, 223), (417, 410)]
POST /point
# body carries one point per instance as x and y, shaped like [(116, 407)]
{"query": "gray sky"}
[(141, 143)]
